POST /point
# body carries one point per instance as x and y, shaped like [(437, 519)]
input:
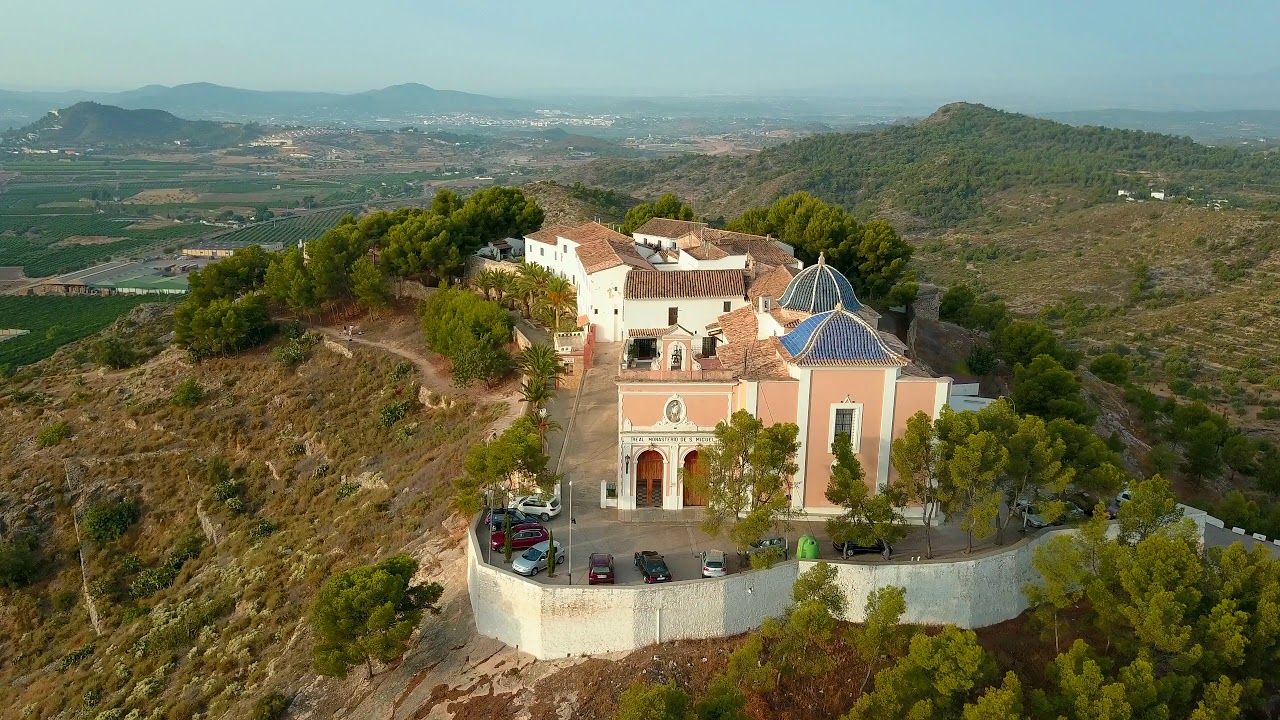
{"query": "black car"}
[(495, 518), (653, 567), (849, 549)]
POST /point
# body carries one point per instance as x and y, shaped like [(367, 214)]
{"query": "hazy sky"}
[(1028, 47)]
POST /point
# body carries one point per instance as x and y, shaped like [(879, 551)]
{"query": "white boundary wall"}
[(549, 621)]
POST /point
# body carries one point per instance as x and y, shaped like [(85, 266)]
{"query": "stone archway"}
[(692, 497), (650, 467)]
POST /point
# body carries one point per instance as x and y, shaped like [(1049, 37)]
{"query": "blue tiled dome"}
[(838, 337), (819, 288)]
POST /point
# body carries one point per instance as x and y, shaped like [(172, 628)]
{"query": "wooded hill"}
[(950, 168), (93, 124)]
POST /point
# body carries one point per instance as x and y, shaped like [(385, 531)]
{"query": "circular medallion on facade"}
[(675, 410)]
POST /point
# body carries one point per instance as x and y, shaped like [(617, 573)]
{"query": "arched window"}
[(677, 357)]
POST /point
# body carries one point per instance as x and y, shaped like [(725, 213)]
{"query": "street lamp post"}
[(571, 523)]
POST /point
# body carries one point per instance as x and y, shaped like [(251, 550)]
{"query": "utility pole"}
[(572, 522)]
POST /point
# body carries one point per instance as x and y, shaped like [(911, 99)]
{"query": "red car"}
[(601, 569), (524, 535)]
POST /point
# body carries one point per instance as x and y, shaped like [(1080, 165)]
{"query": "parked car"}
[(1124, 496), (534, 559), (537, 506), (496, 515), (1084, 503), (523, 536), (713, 564), (1031, 516), (653, 567), (773, 544), (600, 569), (851, 548)]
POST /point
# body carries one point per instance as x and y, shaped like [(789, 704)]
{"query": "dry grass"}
[(339, 488), (1210, 290)]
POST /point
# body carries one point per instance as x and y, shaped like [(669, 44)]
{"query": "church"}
[(812, 356)]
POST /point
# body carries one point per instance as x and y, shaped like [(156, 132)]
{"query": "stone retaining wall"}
[(549, 621)]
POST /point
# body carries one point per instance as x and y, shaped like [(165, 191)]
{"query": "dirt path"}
[(400, 336)]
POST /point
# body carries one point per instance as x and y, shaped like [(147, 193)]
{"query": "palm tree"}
[(540, 361), (484, 281), (503, 282), (561, 297), (531, 281), (537, 392)]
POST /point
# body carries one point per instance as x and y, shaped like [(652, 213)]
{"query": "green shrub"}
[(261, 528), (106, 522), (1111, 367), (154, 579), (113, 353), (402, 370), (18, 563), (981, 360), (295, 350), (53, 434), (187, 394), (270, 706), (75, 656), (392, 413)]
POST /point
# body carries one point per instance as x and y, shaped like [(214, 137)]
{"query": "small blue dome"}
[(819, 288), (838, 337)]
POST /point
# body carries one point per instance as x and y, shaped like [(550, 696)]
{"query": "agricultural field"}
[(291, 229), (56, 321)]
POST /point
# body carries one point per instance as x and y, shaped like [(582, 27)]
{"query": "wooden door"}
[(692, 497), (649, 479)]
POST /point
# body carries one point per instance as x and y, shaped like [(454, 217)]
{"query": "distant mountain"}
[(952, 167), (218, 102), (89, 123)]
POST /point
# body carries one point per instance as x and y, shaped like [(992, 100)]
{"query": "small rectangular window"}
[(673, 315), (844, 423), (726, 306), (708, 347)]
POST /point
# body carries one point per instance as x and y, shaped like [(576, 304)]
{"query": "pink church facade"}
[(814, 359)]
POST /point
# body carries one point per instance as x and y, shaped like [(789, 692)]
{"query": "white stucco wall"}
[(604, 294), (695, 313), (549, 621)]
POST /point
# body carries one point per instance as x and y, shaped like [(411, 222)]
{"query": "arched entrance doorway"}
[(692, 496), (649, 479)]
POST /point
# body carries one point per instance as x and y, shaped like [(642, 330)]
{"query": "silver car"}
[(713, 564), (534, 560)]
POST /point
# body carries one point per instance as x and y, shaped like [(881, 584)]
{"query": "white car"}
[(537, 506), (713, 564), (534, 560)]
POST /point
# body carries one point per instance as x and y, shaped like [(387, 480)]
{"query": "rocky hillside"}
[(180, 518)]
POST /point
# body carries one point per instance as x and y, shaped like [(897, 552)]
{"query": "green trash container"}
[(807, 548)]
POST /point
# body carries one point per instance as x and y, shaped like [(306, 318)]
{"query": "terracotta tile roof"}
[(588, 232), (744, 355), (684, 284), (668, 228), (787, 317), (602, 254), (761, 249), (771, 283), (706, 251), (657, 332), (548, 234)]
